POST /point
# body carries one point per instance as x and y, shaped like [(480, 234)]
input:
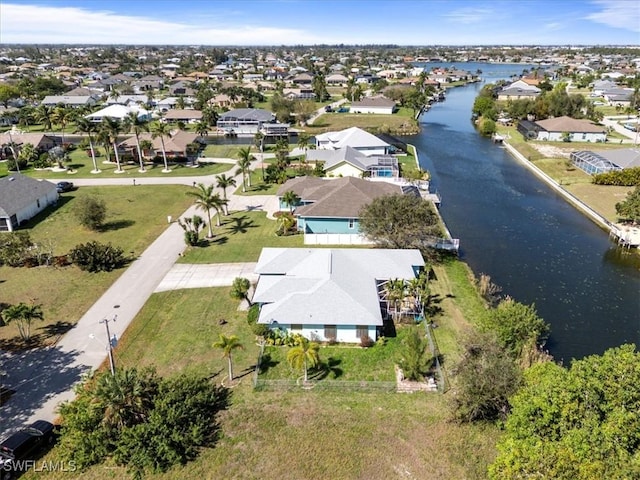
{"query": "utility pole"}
[(112, 365)]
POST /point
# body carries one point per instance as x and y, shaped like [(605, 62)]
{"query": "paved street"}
[(43, 378)]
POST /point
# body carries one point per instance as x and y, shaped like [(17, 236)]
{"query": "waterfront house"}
[(602, 161), (354, 137), (69, 100), (22, 198), (329, 209), (349, 162), (380, 105), (183, 115), (244, 121), (329, 294), (176, 145), (561, 128), (41, 141), (118, 112)]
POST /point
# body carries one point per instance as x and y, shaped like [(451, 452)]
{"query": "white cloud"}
[(469, 15), (553, 26), (618, 14), (39, 24)]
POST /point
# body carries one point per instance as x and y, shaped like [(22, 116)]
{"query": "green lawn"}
[(240, 238), (136, 216), (398, 122)]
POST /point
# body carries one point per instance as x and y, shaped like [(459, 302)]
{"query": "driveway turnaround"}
[(187, 275)]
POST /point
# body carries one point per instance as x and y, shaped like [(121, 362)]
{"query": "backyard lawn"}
[(330, 122)]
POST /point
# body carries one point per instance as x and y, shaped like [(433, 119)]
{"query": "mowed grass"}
[(329, 122), (240, 238), (305, 433), (136, 216)]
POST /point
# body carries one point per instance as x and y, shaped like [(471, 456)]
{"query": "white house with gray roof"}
[(375, 105), (354, 137), (329, 294), (21, 198)]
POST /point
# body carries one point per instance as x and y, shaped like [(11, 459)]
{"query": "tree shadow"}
[(56, 329), (267, 362), (218, 240), (433, 308), (240, 225), (330, 368), (260, 188), (116, 225), (75, 166), (44, 214)]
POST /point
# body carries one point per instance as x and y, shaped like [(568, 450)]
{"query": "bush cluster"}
[(629, 177), (97, 257)]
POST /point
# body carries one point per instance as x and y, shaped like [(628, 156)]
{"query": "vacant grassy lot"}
[(397, 122), (343, 435), (240, 238), (135, 218)]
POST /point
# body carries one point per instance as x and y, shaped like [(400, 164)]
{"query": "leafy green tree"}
[(91, 212), (23, 315), (228, 344), (579, 423), (291, 199), (161, 130), (484, 380), (15, 248), (206, 201), (224, 182), (8, 92), (304, 356), (415, 361), (487, 127), (629, 209), (399, 221), (516, 326), (240, 289), (58, 155), (28, 154), (97, 257)]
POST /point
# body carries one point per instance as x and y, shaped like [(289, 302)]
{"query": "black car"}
[(22, 445), (64, 186)]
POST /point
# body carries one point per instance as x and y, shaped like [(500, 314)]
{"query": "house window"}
[(352, 223), (362, 331), (330, 332), (296, 327), (38, 202)]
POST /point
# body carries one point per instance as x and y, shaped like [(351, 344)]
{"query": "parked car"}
[(64, 186), (328, 109), (22, 445)]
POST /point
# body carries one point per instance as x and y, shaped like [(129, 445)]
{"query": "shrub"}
[(629, 177), (97, 257), (91, 212), (15, 248), (366, 341), (258, 329), (43, 161)]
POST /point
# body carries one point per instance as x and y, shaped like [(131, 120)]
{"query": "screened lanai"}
[(592, 163)]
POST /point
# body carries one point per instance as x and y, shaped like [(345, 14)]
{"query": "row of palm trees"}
[(207, 200)]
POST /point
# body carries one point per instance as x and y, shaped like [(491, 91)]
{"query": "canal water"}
[(531, 242)]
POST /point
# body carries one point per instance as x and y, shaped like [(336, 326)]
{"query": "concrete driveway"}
[(186, 275)]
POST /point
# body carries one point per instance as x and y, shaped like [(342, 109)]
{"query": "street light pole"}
[(112, 365)]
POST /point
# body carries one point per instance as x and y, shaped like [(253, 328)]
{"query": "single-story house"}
[(618, 96), (119, 112), (174, 146), (69, 100), (555, 130), (336, 79), (22, 198), (354, 137), (602, 161), (183, 115), (349, 162), (329, 209), (329, 294), (379, 104), (41, 141), (128, 100), (244, 121)]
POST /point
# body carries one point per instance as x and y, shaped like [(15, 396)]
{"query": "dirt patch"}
[(551, 151)]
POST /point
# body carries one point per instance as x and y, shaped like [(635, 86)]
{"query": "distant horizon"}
[(281, 23)]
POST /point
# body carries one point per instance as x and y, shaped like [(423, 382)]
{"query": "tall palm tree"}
[(25, 116), (133, 123), (291, 199), (112, 127), (202, 128), (23, 314), (62, 115), (228, 345), (244, 166), (304, 356), (219, 205), (43, 114), (161, 130), (84, 125), (224, 182), (204, 200)]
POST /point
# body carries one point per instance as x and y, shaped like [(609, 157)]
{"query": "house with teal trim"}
[(329, 294), (329, 209)]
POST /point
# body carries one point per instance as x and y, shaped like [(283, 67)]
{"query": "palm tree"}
[(62, 115), (244, 166), (133, 123), (112, 128), (219, 204), (395, 290), (84, 125), (204, 200), (304, 356), (303, 142), (159, 129), (224, 182), (291, 199), (228, 345), (25, 116), (240, 289), (202, 128), (43, 114), (23, 315)]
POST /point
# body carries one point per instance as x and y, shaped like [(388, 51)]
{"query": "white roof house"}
[(118, 112), (353, 137), (326, 293)]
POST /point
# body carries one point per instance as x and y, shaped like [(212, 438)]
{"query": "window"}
[(352, 223), (362, 331), (296, 327), (330, 332), (38, 202)]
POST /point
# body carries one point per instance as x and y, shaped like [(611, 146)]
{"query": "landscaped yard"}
[(135, 218), (240, 238)]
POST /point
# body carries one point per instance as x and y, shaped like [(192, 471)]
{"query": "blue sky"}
[(308, 22)]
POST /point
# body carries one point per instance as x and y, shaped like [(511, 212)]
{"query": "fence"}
[(441, 380), (324, 385)]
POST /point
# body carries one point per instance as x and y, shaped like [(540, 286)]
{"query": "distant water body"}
[(516, 229)]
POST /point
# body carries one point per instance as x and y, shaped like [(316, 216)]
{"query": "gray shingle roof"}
[(568, 124), (247, 114), (18, 191)]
